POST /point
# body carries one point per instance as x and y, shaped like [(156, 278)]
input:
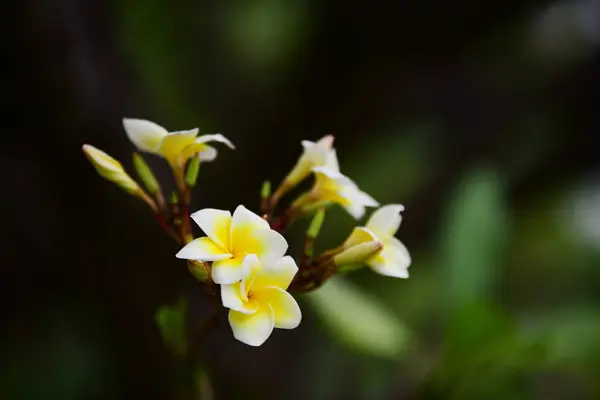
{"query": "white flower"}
[(333, 186), (260, 302), (316, 154), (230, 239), (393, 259), (175, 147)]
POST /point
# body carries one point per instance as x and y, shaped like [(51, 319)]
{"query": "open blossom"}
[(393, 258), (175, 147), (260, 302), (316, 154), (230, 239), (333, 186)]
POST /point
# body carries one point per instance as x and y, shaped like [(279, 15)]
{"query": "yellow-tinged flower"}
[(393, 258), (333, 186), (316, 154), (260, 302), (110, 169), (175, 147), (230, 239)]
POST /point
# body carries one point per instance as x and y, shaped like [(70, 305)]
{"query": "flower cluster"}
[(244, 252)]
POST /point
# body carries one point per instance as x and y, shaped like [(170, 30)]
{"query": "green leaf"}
[(359, 320), (171, 321), (473, 240)]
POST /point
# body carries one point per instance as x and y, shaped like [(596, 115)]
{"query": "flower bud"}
[(199, 269), (359, 253), (145, 174), (111, 169), (191, 175)]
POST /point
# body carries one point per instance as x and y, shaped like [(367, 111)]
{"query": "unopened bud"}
[(265, 190), (199, 269), (111, 169), (359, 253), (316, 223), (191, 175), (145, 174)]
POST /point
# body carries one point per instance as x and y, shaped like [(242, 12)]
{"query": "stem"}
[(184, 206)]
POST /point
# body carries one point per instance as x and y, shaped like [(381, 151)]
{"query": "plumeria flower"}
[(260, 301), (393, 258), (175, 147), (333, 186), (316, 154), (230, 239)]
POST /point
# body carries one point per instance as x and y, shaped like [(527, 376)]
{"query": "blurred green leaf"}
[(265, 34), (394, 165), (473, 239), (359, 320), (171, 321), (572, 335)]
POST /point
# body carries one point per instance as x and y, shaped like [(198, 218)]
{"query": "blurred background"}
[(480, 117)]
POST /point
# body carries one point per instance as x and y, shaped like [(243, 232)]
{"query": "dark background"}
[(480, 117)]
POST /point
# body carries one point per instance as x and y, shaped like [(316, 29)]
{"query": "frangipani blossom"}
[(260, 302), (175, 147), (230, 239), (393, 259), (333, 186), (316, 154)]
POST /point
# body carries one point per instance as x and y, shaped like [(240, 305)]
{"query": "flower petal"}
[(173, 145), (217, 137), (253, 329), (145, 135), (203, 249), (233, 297), (393, 260), (216, 224), (360, 235), (286, 312), (267, 244), (244, 225), (245, 219), (278, 275), (207, 153), (228, 271), (385, 221)]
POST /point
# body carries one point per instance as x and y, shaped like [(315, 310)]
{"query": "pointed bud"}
[(359, 253), (191, 175), (316, 223), (200, 270), (265, 190), (173, 199), (110, 169), (145, 174)]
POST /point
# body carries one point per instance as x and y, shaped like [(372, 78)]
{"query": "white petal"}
[(286, 312), (228, 271), (275, 246), (360, 235), (234, 298), (332, 161), (253, 329), (217, 137), (207, 154), (216, 224), (250, 266), (385, 221), (393, 260), (330, 173), (355, 209), (278, 275), (145, 135), (203, 249), (244, 218)]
